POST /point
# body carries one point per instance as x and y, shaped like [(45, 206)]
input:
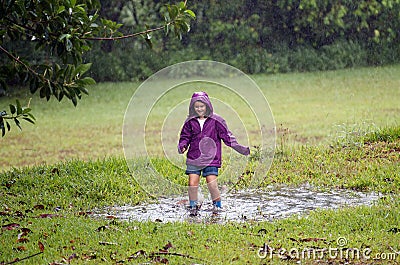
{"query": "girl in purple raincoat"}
[(201, 136)]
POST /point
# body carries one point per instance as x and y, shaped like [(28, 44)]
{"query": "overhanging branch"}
[(129, 35)]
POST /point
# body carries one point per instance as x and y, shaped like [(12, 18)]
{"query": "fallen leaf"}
[(48, 215), (394, 230), (110, 217), (102, 228), (73, 256), (85, 213), (55, 171), (90, 256), (38, 207), (22, 234), (21, 248), (168, 246), (19, 214), (11, 226), (41, 246), (137, 254), (22, 240), (262, 231), (26, 230)]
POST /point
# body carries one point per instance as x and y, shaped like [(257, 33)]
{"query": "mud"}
[(246, 205)]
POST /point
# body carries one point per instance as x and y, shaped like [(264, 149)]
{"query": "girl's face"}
[(200, 108)]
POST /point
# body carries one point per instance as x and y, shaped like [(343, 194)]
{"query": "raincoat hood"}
[(203, 97), (203, 144)]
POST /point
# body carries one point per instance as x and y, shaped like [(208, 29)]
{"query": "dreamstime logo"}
[(341, 252), (159, 107)]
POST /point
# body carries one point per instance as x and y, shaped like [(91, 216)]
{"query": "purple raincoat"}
[(205, 145)]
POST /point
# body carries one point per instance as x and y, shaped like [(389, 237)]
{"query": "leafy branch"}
[(17, 112), (65, 29)]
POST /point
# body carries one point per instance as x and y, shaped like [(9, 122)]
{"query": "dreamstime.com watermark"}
[(341, 252)]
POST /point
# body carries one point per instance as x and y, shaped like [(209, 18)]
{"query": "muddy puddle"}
[(246, 205)]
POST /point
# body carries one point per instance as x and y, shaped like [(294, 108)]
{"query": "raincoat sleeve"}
[(184, 138), (229, 139)]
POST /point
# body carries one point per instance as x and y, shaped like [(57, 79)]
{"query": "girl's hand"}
[(247, 152), (181, 151)]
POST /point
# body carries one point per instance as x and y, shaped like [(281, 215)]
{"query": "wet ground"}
[(246, 205)]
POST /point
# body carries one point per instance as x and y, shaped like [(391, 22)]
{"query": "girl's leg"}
[(194, 180), (214, 191)]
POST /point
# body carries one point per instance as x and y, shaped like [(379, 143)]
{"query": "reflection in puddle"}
[(247, 205)]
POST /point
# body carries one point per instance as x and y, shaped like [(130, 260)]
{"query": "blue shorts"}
[(204, 171)]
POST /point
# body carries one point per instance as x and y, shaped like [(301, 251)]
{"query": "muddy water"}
[(246, 205)]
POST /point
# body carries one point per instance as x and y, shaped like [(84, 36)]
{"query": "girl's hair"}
[(193, 113)]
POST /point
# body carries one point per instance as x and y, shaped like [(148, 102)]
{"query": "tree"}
[(64, 30)]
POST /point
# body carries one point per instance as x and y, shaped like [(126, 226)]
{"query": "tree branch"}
[(23, 64), (129, 35), (18, 260)]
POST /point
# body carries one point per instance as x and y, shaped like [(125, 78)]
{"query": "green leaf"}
[(17, 123), (74, 101), (29, 120), (12, 109), (8, 126), (26, 110), (31, 116), (85, 82), (190, 13), (19, 108), (84, 90), (149, 43), (65, 36), (182, 5), (60, 9), (173, 11), (81, 69)]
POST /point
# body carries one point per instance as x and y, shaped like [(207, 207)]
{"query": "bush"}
[(128, 63)]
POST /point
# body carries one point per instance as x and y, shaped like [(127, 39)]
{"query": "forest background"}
[(255, 36)]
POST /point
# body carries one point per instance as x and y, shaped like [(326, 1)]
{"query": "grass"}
[(57, 214), (312, 108), (335, 130), (77, 239)]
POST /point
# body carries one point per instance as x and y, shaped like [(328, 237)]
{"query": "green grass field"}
[(335, 130), (311, 107)]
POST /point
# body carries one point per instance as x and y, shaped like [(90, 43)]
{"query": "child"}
[(201, 135)]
